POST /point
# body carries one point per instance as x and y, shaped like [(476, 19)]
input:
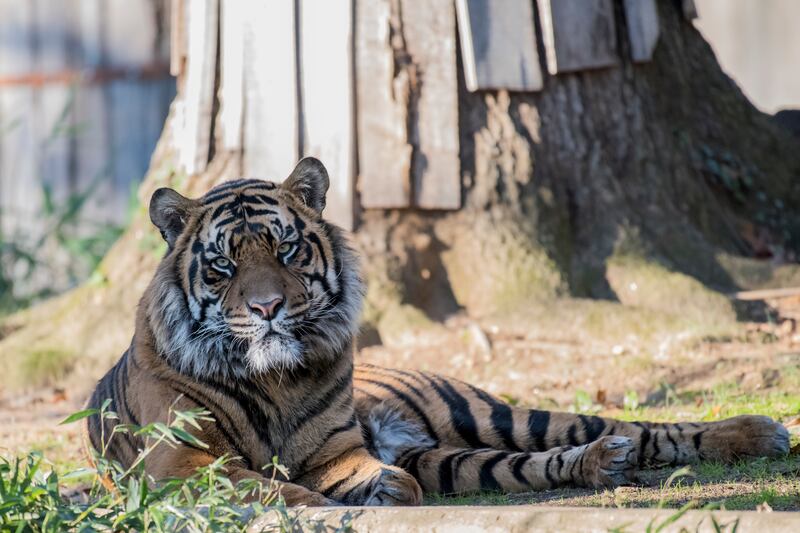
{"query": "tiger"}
[(252, 316)]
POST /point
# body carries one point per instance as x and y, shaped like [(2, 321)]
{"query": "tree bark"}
[(632, 172)]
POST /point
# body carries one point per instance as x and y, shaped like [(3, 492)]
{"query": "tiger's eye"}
[(285, 248), (221, 262)]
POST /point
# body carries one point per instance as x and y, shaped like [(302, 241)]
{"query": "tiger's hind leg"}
[(606, 462), (452, 413)]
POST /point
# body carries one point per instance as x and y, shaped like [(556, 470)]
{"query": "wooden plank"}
[(198, 96), (498, 45), (177, 54), (689, 9), (130, 38), (766, 294), (93, 139), (641, 17), (326, 31), (271, 114), (578, 35), (231, 73), (20, 197), (430, 33), (55, 106), (384, 153)]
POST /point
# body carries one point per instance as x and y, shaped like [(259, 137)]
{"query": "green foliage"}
[(584, 404), (34, 497), (69, 245)]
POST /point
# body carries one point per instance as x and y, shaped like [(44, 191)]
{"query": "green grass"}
[(744, 485), (36, 495)]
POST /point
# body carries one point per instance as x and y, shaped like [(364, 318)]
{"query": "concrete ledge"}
[(463, 519)]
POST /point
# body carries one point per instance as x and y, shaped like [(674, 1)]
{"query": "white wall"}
[(757, 42)]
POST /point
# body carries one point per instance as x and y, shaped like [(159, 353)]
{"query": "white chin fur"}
[(274, 351)]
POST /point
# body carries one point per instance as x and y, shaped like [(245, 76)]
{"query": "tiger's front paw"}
[(744, 436), (395, 487)]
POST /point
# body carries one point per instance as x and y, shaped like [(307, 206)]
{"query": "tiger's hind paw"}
[(610, 461)]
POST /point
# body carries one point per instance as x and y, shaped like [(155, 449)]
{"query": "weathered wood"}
[(498, 45), (326, 31), (270, 77), (19, 188), (198, 97), (130, 45), (177, 35), (766, 294), (643, 29), (93, 142), (689, 9), (430, 34), (55, 106), (231, 91), (382, 101), (578, 35)]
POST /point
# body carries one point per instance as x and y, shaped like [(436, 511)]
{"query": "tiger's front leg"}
[(358, 478)]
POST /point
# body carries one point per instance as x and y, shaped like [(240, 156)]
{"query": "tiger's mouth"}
[(273, 350)]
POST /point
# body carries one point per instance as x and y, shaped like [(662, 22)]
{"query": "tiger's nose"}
[(266, 310)]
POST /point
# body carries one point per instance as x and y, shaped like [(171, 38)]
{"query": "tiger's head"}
[(254, 279)]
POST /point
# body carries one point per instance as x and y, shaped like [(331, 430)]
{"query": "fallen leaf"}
[(793, 422), (600, 397), (715, 410)]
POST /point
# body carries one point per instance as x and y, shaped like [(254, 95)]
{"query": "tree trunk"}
[(656, 185)]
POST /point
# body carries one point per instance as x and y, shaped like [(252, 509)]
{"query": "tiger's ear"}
[(309, 182), (169, 211)]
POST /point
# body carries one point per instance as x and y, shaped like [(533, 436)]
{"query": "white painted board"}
[(271, 110), (326, 33), (231, 92)]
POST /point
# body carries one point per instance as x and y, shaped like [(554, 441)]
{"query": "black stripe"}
[(322, 403), (580, 466), (572, 439), (550, 480), (593, 427), (697, 439), (347, 426), (656, 447), (409, 402), (502, 418), (446, 475), (538, 423), (411, 462), (462, 419), (463, 457), (221, 417), (674, 445), (487, 479), (392, 374), (336, 486), (518, 465), (645, 438)]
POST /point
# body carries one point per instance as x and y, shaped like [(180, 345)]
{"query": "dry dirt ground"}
[(758, 372)]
